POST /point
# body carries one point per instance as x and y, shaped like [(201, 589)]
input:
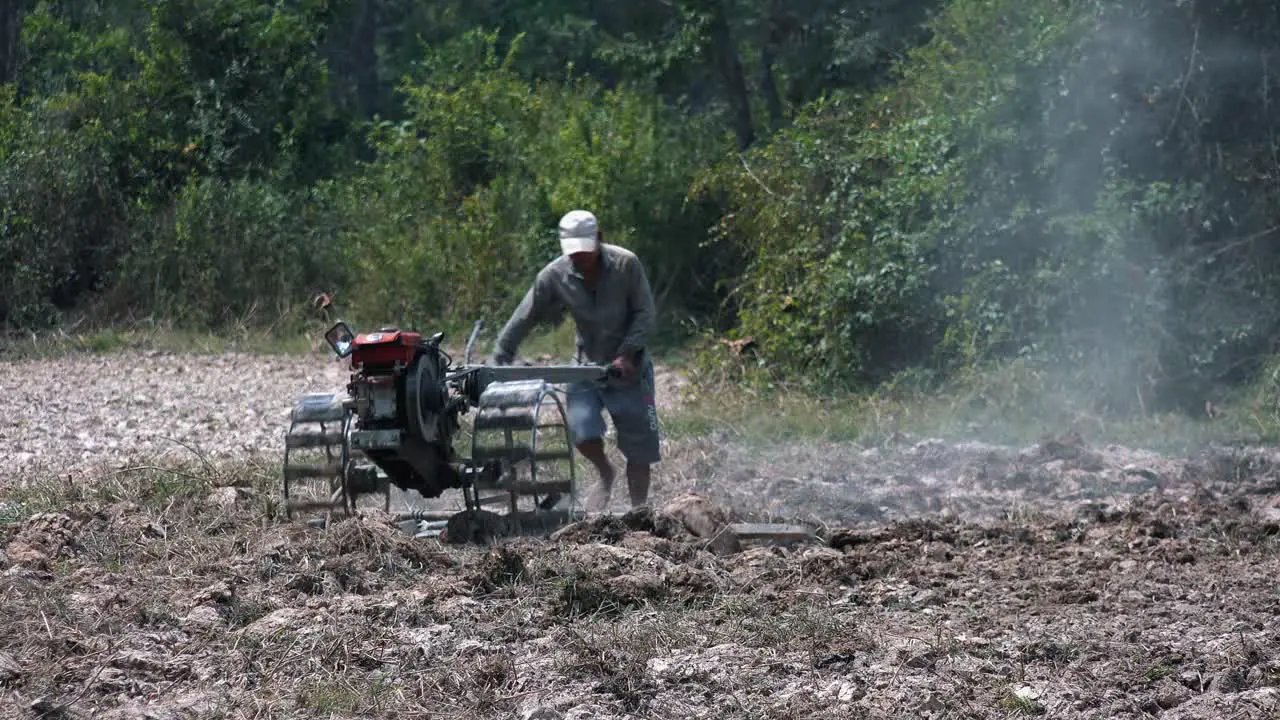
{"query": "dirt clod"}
[(41, 541), (704, 519)]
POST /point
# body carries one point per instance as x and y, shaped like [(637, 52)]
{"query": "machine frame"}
[(398, 423)]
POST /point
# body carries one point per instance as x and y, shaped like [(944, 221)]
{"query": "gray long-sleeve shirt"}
[(614, 319)]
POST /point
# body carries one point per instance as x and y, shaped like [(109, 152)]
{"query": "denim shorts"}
[(632, 408)]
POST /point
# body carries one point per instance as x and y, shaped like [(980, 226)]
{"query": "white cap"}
[(579, 232)]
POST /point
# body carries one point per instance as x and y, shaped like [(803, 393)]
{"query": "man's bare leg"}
[(593, 450), (638, 483)]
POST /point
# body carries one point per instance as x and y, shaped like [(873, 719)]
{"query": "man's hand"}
[(626, 366)]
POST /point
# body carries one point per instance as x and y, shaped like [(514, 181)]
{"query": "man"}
[(605, 288)]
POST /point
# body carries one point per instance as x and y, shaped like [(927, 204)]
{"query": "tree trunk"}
[(768, 49), (730, 67), (364, 57), (10, 37)]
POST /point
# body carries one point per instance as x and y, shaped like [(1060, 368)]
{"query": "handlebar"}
[(554, 374), (471, 342)]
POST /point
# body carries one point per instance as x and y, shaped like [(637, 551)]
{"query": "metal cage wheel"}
[(509, 429)]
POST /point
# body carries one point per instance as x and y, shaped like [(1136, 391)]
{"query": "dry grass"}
[(75, 339), (1011, 404), (957, 580), (182, 592)]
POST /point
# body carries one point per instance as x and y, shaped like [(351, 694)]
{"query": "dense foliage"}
[(1087, 184), (860, 189)]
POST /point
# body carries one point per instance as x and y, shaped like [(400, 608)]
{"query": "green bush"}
[(58, 219), (1043, 196), (459, 210), (230, 254), (1087, 188)]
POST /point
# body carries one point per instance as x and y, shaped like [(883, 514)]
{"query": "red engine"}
[(402, 418), (384, 350)]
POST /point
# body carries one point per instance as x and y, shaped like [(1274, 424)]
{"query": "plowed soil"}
[(147, 572)]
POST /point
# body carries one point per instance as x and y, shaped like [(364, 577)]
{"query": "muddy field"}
[(1070, 579)]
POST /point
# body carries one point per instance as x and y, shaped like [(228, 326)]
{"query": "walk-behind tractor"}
[(400, 424)]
